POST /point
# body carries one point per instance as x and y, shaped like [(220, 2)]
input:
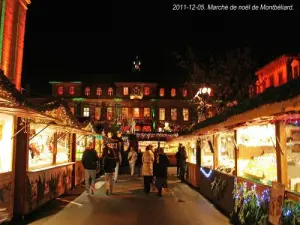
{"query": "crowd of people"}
[(152, 165)]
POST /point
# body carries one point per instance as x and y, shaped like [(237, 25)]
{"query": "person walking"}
[(183, 157), (90, 162), (109, 162), (118, 163), (132, 156), (139, 162), (161, 171), (147, 168), (178, 160)]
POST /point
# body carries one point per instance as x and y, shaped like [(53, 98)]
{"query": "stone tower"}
[(12, 31)]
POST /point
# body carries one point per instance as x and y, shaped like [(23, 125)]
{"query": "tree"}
[(232, 72)]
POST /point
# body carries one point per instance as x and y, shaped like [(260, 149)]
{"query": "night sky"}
[(85, 42)]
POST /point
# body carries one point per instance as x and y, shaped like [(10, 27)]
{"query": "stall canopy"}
[(12, 102), (59, 109)]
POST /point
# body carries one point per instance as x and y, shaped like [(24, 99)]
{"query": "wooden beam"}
[(281, 153)]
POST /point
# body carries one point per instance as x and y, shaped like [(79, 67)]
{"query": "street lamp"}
[(202, 97)]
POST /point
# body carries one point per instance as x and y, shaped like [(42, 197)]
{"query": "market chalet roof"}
[(272, 95), (59, 109)]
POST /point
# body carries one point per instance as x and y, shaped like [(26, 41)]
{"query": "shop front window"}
[(184, 92), (226, 152), (185, 113), (110, 91), (125, 91), (86, 111), (87, 91), (173, 114), (60, 90), (257, 153), (146, 91), (161, 92), (124, 113), (109, 113), (72, 109), (146, 112), (293, 154), (41, 145), (136, 112), (207, 155), (72, 90), (99, 92), (162, 114), (63, 147), (6, 142), (80, 146), (97, 113), (173, 92)]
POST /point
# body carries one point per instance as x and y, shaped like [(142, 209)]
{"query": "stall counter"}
[(217, 187), (44, 184), (193, 175)]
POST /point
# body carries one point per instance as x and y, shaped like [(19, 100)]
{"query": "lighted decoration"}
[(155, 135), (136, 65), (136, 93), (249, 207), (206, 174)]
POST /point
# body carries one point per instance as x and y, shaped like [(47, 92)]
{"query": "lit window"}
[(72, 109), (146, 112), (173, 92), (97, 113), (110, 91), (87, 91), (124, 113), (161, 92), (99, 91), (86, 111), (136, 112), (109, 113), (184, 92), (173, 114), (72, 90), (162, 114), (60, 90), (146, 91), (125, 90), (185, 113)]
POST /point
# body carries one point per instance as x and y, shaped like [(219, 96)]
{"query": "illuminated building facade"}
[(12, 31), (146, 107), (277, 72)]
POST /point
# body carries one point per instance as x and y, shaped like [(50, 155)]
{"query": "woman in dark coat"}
[(109, 162), (161, 171)]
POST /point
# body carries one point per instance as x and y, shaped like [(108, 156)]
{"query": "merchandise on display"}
[(40, 147), (226, 148), (80, 147), (63, 147), (261, 168)]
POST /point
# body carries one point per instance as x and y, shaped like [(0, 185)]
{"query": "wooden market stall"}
[(254, 145), (157, 140), (14, 115), (192, 146), (45, 153)]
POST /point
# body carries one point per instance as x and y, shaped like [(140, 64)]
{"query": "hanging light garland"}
[(155, 135)]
